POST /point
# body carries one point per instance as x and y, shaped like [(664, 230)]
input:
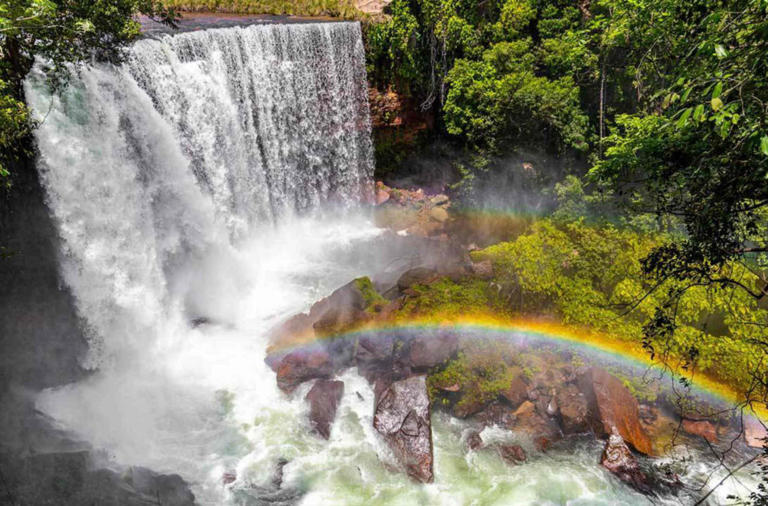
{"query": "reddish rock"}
[(303, 365), (496, 414), (618, 459), (402, 416), (474, 441), (340, 311), (701, 428), (755, 433), (516, 393), (229, 477), (612, 405), (513, 454), (574, 413), (324, 398), (429, 351), (382, 196), (542, 429), (468, 407), (298, 325)]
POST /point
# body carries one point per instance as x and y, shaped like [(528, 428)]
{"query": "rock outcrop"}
[(402, 416), (618, 459), (324, 398), (755, 432), (302, 365), (611, 405), (701, 428)]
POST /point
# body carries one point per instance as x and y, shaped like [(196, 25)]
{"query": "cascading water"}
[(189, 184)]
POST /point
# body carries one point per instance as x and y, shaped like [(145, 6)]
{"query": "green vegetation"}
[(449, 299), (593, 276), (374, 302), (335, 8), (483, 370)]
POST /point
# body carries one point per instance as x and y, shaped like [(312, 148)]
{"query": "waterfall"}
[(197, 140)]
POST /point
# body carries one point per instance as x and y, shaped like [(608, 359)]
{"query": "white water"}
[(190, 183)]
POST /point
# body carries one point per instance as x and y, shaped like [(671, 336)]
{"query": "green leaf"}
[(718, 90), (720, 51), (697, 113), (764, 145), (717, 104), (684, 117)]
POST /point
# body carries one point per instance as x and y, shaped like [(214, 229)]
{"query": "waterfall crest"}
[(188, 147)]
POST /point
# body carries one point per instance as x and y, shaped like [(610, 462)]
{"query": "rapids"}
[(204, 191)]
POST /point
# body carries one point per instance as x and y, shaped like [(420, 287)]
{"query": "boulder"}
[(402, 416), (382, 196), (324, 398), (416, 276), (474, 441), (755, 433), (516, 393), (482, 270), (611, 405), (428, 351), (303, 365), (701, 428), (618, 459), (496, 414), (541, 429), (343, 310), (574, 413), (512, 454), (438, 214)]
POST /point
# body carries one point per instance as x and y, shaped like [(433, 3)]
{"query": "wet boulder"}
[(517, 392), (416, 276), (574, 412), (324, 398), (611, 405), (429, 351), (541, 429), (618, 459), (474, 441), (303, 365), (512, 454), (701, 428), (402, 416)]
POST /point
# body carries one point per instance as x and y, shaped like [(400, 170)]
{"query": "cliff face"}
[(40, 335)]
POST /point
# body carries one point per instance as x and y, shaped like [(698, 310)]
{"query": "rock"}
[(297, 327), (373, 356), (516, 393), (574, 413), (340, 311), (618, 459), (382, 196), (496, 414), (324, 398), (303, 365), (468, 406), (483, 270), (513, 454), (611, 405), (429, 351), (402, 416), (701, 428), (474, 441), (542, 429), (416, 276), (229, 477), (438, 214), (439, 200), (755, 433)]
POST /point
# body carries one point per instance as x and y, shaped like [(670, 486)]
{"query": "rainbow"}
[(541, 331)]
